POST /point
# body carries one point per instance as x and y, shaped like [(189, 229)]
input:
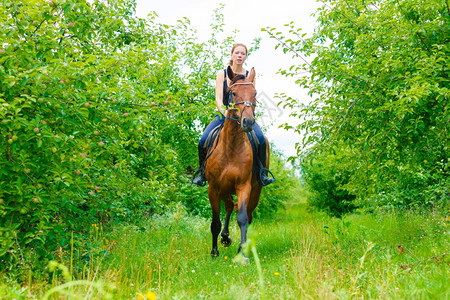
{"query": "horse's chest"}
[(233, 171), (228, 166)]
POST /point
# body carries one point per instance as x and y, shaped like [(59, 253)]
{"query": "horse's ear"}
[(230, 73), (252, 74)]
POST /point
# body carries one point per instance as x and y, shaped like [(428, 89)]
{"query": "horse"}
[(228, 168)]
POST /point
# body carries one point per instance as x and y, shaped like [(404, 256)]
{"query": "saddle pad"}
[(255, 145), (254, 142), (211, 136)]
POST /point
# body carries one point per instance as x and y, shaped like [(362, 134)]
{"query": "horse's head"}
[(243, 98)]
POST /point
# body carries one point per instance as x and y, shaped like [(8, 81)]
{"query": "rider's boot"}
[(263, 172), (199, 175)]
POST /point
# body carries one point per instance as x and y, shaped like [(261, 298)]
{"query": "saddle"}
[(254, 142), (211, 136)]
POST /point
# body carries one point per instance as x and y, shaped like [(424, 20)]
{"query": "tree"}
[(378, 75), (98, 118)]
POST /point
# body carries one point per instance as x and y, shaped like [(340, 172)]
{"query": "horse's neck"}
[(234, 137)]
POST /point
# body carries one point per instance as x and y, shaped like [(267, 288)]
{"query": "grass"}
[(303, 255)]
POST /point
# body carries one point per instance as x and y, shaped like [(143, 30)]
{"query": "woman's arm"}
[(219, 92)]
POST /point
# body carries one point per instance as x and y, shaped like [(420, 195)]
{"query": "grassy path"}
[(303, 256)]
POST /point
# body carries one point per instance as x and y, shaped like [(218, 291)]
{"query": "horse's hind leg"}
[(216, 225), (254, 199), (225, 235)]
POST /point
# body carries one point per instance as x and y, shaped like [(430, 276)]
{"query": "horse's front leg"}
[(242, 216), (216, 225), (242, 220), (225, 235)]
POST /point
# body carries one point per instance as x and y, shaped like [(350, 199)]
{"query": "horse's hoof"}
[(226, 242), (241, 259), (214, 253)]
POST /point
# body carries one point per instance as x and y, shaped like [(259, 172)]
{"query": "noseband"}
[(247, 103)]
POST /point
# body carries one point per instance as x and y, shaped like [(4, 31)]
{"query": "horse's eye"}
[(234, 94)]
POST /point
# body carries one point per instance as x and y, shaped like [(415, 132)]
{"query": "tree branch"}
[(356, 25), (412, 26), (290, 48), (342, 123)]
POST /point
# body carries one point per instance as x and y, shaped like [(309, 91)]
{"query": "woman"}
[(238, 57)]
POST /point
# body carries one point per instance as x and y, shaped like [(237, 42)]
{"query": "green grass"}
[(303, 255)]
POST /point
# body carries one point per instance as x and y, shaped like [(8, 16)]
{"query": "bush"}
[(96, 120), (286, 187), (325, 179), (378, 75)]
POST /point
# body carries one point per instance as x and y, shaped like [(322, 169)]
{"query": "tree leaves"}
[(380, 73), (97, 111)]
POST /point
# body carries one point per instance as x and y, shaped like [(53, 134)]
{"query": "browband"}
[(240, 83)]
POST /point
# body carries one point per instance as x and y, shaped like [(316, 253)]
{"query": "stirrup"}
[(266, 172), (199, 179)]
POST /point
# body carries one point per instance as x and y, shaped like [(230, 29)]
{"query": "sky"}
[(248, 17)]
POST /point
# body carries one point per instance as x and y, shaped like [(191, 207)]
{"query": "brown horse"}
[(229, 166)]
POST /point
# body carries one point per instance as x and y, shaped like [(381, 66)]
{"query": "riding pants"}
[(220, 120)]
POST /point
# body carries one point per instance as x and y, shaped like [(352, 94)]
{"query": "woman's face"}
[(239, 55)]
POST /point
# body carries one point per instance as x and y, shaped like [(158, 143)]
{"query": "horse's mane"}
[(237, 77)]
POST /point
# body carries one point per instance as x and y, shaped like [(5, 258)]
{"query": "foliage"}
[(95, 288), (286, 187), (193, 198), (325, 177), (272, 198), (98, 118), (378, 74), (394, 254)]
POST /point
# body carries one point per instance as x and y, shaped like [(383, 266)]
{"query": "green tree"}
[(98, 118), (326, 176), (378, 74)]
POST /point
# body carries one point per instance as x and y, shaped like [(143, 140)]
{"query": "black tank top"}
[(225, 87)]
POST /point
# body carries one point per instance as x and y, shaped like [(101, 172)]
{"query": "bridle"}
[(247, 103)]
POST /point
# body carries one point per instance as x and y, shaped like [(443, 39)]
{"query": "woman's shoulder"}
[(220, 75)]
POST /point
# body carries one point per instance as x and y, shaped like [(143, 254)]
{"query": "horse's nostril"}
[(247, 125), (248, 122)]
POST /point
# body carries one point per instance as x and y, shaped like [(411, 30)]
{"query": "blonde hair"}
[(234, 47)]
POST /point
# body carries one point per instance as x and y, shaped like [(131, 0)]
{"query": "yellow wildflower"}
[(151, 296), (140, 297), (276, 273)]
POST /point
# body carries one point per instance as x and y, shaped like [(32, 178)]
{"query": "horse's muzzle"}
[(247, 125)]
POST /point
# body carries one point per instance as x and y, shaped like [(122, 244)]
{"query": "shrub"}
[(325, 179), (96, 119), (377, 74)]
